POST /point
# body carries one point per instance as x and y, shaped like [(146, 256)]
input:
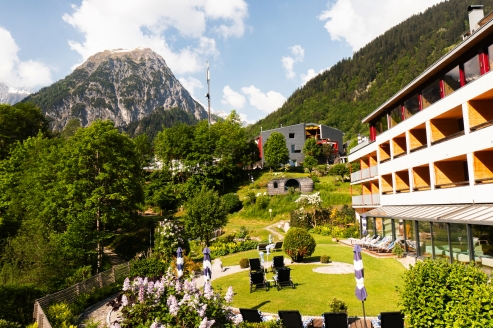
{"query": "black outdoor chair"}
[(292, 319), (391, 320), (278, 246), (277, 263), (250, 315), (255, 265), (262, 247), (257, 280), (283, 278), (335, 320)]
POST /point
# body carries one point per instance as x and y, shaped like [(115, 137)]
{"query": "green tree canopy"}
[(309, 163), (204, 213), (311, 148), (19, 122), (275, 150)]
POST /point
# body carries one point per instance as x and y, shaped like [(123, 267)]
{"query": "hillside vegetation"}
[(343, 95)]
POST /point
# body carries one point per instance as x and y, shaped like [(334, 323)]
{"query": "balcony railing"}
[(368, 199), (363, 174)]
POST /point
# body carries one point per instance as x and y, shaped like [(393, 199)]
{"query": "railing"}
[(71, 294), (367, 199), (359, 146), (363, 174)]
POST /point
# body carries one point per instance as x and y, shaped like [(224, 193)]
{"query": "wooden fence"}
[(70, 294)]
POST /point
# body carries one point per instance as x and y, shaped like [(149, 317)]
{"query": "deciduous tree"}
[(275, 150)]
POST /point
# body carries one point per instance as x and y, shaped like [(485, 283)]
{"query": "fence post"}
[(77, 289), (100, 280), (113, 274)]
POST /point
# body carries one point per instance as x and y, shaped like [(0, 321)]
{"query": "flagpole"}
[(364, 315)]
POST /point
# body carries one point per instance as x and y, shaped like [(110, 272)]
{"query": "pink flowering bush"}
[(174, 303)]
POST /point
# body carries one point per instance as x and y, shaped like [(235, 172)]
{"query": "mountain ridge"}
[(121, 85)]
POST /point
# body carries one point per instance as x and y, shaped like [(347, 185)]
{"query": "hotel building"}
[(426, 174)]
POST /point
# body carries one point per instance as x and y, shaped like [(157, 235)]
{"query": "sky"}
[(259, 52)]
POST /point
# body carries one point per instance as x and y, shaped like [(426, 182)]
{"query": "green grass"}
[(315, 291)]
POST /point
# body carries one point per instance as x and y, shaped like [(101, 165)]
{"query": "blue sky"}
[(259, 51)]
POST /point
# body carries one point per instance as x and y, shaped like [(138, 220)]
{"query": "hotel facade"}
[(426, 174)]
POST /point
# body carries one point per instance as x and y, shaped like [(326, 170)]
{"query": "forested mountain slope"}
[(341, 96)]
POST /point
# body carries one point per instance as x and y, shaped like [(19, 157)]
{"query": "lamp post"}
[(270, 213)]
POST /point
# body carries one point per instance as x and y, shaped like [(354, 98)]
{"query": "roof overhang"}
[(476, 38), (462, 213)]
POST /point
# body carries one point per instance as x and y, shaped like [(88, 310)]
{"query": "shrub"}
[(324, 259), (221, 249), (9, 324), (398, 251), (298, 243), (231, 202), (244, 263), (148, 267), (243, 233), (173, 303), (265, 324), (446, 295), (167, 238), (250, 198), (17, 302), (337, 305), (61, 315), (262, 201), (314, 178)]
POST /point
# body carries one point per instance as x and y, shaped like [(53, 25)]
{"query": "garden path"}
[(276, 234)]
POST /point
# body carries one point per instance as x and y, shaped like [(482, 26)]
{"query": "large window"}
[(395, 116), (431, 94), (451, 80), (483, 244), (471, 69), (411, 106), (425, 244), (458, 240)]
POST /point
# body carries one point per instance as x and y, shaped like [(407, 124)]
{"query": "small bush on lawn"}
[(262, 202), (441, 294), (244, 263), (266, 324), (243, 233), (338, 305), (398, 251), (232, 202), (324, 259), (298, 243), (148, 267)]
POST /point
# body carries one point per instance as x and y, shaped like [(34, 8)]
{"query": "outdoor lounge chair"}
[(335, 320), (255, 265), (391, 320), (292, 319), (387, 248), (277, 263), (251, 315), (382, 243), (262, 247), (278, 246), (257, 280), (283, 278)]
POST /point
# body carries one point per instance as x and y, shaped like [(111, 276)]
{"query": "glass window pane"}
[(451, 80), (490, 56), (431, 94), (382, 124), (411, 106), (395, 116), (379, 223), (471, 69), (387, 227), (483, 245), (369, 226), (410, 237), (425, 238), (440, 239), (458, 239)]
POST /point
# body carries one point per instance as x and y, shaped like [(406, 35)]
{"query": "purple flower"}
[(126, 284), (206, 324), (150, 287), (141, 294), (145, 281), (208, 293), (178, 285), (115, 325), (124, 300), (201, 310), (229, 295), (172, 305)]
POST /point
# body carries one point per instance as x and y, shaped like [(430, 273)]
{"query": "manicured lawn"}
[(315, 291)]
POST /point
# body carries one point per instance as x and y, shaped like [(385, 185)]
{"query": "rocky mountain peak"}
[(120, 85)]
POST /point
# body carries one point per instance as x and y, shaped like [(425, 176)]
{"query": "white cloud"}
[(191, 84), (360, 21), (266, 102), (310, 75), (128, 24), (16, 73), (233, 98), (288, 62)]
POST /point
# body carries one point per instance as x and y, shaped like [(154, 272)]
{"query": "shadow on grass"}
[(311, 259), (256, 307)]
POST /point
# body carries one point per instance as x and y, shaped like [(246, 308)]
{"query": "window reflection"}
[(431, 94), (451, 80), (483, 245), (411, 106), (395, 116), (425, 239), (458, 240), (471, 69)]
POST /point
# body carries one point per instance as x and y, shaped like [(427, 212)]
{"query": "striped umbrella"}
[(179, 261), (360, 277), (207, 264)]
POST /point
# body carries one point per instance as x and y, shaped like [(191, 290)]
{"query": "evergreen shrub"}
[(324, 259), (338, 305), (17, 302), (440, 294), (244, 263), (298, 243), (232, 202), (148, 267)]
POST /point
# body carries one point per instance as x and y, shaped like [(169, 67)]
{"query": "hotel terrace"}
[(426, 172)]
